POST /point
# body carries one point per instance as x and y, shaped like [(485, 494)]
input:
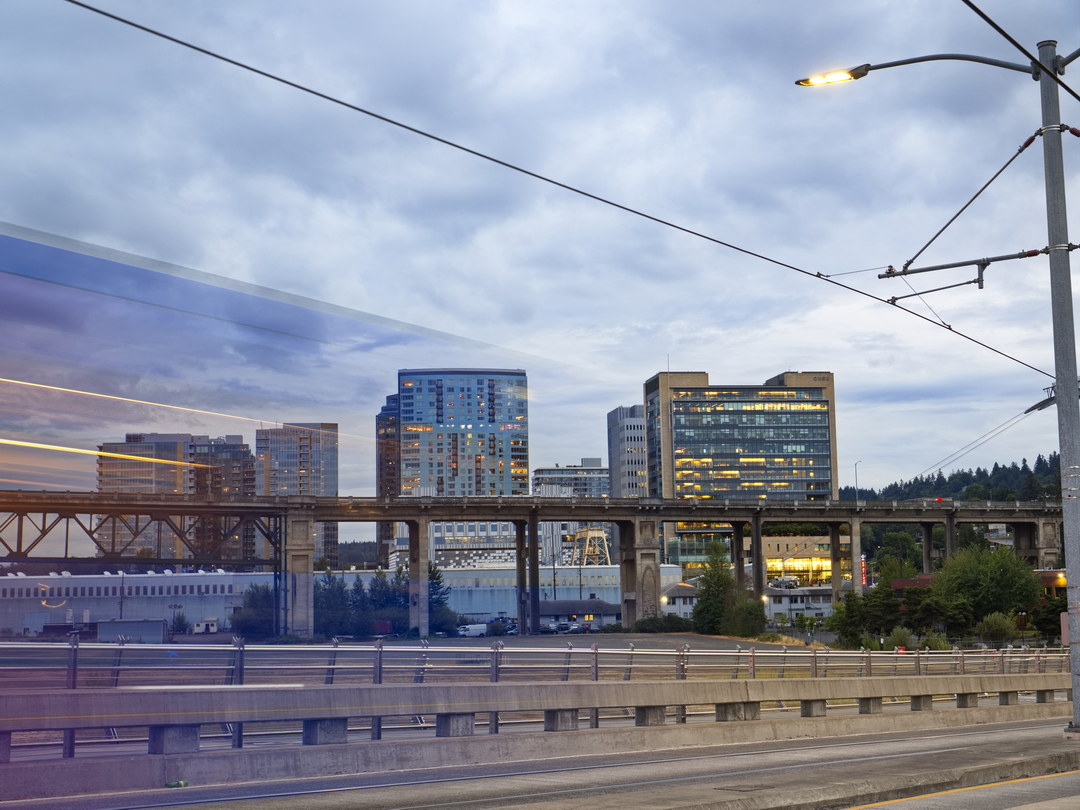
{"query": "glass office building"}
[(775, 441), (301, 459)]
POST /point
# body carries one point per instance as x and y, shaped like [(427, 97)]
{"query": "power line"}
[(993, 433), (536, 176), (1049, 69)]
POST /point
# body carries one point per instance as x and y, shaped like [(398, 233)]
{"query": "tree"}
[(255, 618), (997, 628), (990, 580), (716, 593), (333, 616), (847, 620), (180, 624)]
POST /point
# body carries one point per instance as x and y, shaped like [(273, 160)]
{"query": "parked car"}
[(551, 627), (574, 628)]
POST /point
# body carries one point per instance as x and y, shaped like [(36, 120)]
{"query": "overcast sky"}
[(375, 249)]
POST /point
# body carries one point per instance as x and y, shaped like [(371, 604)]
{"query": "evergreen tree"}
[(256, 617)]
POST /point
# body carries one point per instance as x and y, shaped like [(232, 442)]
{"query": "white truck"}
[(472, 630)]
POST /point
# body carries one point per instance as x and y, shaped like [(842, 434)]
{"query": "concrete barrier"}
[(174, 715)]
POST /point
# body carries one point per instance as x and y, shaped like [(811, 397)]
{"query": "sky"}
[(289, 254)]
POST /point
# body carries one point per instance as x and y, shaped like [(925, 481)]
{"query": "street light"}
[(1061, 309)]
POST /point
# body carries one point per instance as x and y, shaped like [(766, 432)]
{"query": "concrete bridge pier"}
[(419, 570), (738, 553), (639, 568), (757, 554), (299, 594), (1039, 542), (856, 554), (534, 571), (522, 589), (927, 530), (836, 580)]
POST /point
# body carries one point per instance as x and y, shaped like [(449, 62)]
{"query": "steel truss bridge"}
[(195, 530)]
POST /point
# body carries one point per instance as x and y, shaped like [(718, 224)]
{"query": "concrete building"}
[(773, 441), (456, 432), (301, 459), (627, 456)]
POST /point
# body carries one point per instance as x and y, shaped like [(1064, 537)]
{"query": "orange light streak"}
[(62, 449)]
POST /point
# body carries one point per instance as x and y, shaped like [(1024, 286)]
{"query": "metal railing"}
[(74, 665)]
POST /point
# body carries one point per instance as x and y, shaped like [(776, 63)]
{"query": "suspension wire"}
[(993, 433), (925, 303), (1049, 70), (542, 178), (985, 185)]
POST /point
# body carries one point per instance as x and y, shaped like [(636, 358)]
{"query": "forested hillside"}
[(1000, 483)]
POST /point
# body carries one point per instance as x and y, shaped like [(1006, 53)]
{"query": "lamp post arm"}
[(961, 57), (1067, 59)]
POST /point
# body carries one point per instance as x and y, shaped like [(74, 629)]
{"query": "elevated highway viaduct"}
[(49, 525)]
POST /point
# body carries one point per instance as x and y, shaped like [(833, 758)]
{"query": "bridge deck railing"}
[(74, 666)]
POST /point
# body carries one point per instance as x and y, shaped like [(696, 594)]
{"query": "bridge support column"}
[(639, 568), (534, 571), (757, 552), (5, 744), (1037, 542), (856, 555), (1008, 698), (419, 569), (927, 547), (524, 623), (950, 535), (836, 578), (738, 554), (300, 576), (922, 703)]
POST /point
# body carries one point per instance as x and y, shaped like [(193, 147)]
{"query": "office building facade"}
[(301, 459), (775, 441), (590, 479), (628, 471)]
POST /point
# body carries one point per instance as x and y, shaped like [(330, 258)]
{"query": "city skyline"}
[(298, 254)]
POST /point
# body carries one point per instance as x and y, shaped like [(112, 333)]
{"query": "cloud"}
[(385, 250)]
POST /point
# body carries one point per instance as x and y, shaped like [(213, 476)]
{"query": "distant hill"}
[(1000, 483)]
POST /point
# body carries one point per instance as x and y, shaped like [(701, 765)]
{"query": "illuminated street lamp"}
[(1061, 307)]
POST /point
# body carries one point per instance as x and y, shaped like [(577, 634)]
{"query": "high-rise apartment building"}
[(179, 464), (455, 432), (301, 459), (774, 441), (627, 457)]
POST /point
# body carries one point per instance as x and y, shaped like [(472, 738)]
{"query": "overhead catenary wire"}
[(1049, 69), (542, 178), (976, 443)]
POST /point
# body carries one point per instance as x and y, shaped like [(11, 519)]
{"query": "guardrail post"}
[(594, 674), (237, 679), (5, 747), (813, 663), (72, 683), (566, 661), (751, 668), (496, 655), (418, 677), (735, 668), (682, 655), (918, 662), (376, 678), (629, 663), (121, 639), (869, 658), (331, 663)]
